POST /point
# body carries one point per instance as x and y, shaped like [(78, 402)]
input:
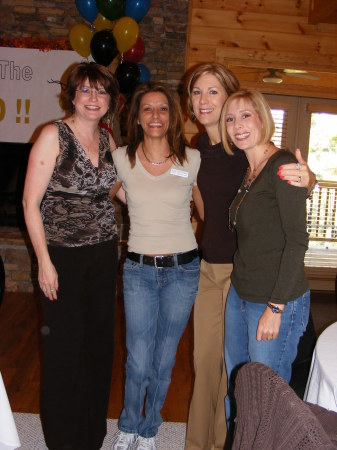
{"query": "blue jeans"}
[(158, 303), (241, 346)]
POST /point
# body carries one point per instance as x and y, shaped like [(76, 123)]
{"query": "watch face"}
[(275, 309)]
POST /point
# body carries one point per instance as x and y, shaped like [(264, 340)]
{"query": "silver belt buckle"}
[(155, 260)]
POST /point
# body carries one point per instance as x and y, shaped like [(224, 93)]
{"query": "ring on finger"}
[(52, 289), (298, 166), (299, 179)]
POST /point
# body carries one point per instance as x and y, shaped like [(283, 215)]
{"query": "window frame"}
[(299, 111)]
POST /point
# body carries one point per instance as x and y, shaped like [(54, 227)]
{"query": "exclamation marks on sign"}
[(27, 105), (2, 109), (18, 110)]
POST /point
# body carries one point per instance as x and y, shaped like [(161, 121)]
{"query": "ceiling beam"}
[(323, 11)]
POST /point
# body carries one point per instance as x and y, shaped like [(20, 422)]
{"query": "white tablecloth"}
[(321, 387), (9, 438)]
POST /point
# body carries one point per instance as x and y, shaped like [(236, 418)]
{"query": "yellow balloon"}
[(126, 31), (102, 23), (80, 38)]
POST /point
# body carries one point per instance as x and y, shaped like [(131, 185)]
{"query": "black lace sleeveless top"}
[(76, 208)]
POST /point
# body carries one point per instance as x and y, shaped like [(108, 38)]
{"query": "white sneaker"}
[(143, 443), (123, 441)]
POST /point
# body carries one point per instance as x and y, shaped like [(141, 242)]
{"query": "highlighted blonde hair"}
[(260, 105), (226, 78)]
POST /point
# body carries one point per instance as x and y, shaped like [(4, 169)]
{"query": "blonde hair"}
[(226, 78), (262, 109)]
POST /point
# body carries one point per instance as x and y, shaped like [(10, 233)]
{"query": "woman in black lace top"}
[(71, 223)]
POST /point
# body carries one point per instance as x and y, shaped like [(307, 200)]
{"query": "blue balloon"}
[(144, 73), (87, 9), (137, 8)]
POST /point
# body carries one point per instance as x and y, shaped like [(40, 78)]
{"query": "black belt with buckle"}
[(163, 261)]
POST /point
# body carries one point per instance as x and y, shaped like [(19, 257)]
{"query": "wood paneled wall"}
[(249, 36)]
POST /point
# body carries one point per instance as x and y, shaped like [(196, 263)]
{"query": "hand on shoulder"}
[(298, 173)]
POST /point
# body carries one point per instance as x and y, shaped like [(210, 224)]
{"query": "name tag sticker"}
[(179, 173)]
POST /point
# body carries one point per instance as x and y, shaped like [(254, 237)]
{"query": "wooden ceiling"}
[(252, 36), (320, 11), (311, 83), (323, 11)]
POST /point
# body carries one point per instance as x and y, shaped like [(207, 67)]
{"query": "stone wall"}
[(19, 260), (163, 30)]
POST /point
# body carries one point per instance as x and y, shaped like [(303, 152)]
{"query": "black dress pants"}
[(77, 343)]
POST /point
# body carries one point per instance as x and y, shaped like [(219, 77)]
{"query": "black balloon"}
[(103, 47), (111, 9), (127, 74)]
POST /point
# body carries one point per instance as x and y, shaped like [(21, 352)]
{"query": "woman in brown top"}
[(219, 178), (71, 223)]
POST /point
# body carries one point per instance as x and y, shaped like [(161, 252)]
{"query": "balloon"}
[(103, 47), (102, 23), (80, 37), (137, 8), (88, 9), (144, 73), (136, 52), (127, 74), (126, 33), (111, 9)]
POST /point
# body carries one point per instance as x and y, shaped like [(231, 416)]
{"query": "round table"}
[(321, 387)]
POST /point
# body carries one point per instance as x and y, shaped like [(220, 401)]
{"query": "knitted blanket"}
[(270, 416)]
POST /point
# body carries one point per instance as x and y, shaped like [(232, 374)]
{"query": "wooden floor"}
[(20, 355), (20, 322)]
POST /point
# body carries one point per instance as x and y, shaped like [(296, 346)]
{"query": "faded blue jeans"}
[(241, 346), (158, 303)]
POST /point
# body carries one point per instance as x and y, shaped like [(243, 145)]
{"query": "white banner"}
[(27, 100)]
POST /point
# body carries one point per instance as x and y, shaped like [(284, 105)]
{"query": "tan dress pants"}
[(206, 428)]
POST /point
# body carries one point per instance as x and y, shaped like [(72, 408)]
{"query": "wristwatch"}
[(275, 309)]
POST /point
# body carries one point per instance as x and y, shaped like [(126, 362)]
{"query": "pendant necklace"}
[(249, 180), (156, 163), (245, 186)]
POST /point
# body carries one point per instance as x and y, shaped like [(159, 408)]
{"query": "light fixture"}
[(272, 79)]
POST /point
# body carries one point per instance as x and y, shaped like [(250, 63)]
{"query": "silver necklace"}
[(156, 163)]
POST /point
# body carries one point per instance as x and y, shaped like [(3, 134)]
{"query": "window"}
[(311, 125), (323, 145), (284, 110), (280, 118)]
